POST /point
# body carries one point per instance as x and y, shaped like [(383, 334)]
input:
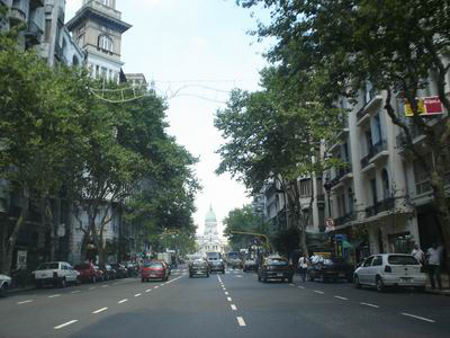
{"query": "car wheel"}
[(259, 278), (62, 283), (207, 275), (223, 271), (379, 284), (265, 279), (420, 288), (93, 280), (190, 275), (356, 282), (142, 280), (290, 279)]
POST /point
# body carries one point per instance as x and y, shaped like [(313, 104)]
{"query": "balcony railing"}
[(346, 218), (363, 111), (384, 205), (340, 173), (373, 151)]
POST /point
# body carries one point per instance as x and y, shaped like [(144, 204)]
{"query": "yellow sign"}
[(425, 106), (420, 108)]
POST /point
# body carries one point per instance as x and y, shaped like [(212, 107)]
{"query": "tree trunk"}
[(10, 243)]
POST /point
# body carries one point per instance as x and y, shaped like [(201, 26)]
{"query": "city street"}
[(230, 305)]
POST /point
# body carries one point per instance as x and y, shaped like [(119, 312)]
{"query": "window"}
[(97, 71), (48, 28), (105, 43), (351, 208), (368, 262), (305, 187), (373, 186), (377, 261), (385, 180)]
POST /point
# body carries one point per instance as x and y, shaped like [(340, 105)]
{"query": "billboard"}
[(426, 106)]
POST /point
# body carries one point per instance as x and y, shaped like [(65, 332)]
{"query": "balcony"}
[(363, 114), (36, 3), (33, 33), (346, 218), (376, 151), (384, 205), (17, 15), (341, 173)]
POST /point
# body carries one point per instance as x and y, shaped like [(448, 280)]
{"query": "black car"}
[(275, 268), (121, 270), (199, 267), (329, 269)]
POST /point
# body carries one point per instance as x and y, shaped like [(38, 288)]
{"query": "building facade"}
[(210, 240), (97, 28)]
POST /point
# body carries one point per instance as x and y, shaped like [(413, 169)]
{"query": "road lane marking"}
[(229, 299), (418, 317), (157, 286), (319, 292), (65, 324), (73, 292), (137, 294), (233, 307), (239, 276), (25, 301), (226, 292), (290, 284), (341, 298), (370, 305), (105, 286), (241, 321), (148, 290), (54, 296), (122, 301), (220, 280), (100, 310), (92, 288), (301, 287)]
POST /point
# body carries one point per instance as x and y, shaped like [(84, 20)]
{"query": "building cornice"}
[(91, 13)]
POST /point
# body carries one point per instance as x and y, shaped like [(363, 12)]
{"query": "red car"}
[(154, 270), (88, 273)]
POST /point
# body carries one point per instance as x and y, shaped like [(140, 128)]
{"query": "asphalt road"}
[(230, 305)]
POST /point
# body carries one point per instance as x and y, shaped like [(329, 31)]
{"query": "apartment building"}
[(379, 198)]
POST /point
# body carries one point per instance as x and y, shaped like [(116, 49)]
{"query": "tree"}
[(244, 219), (39, 131), (396, 45), (277, 133)]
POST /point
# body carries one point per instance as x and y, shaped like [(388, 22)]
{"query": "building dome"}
[(210, 216)]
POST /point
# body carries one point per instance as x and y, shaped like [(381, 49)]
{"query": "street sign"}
[(426, 106)]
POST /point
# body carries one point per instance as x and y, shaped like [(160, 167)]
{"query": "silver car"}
[(385, 270)]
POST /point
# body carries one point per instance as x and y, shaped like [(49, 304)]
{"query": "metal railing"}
[(384, 205), (373, 151)]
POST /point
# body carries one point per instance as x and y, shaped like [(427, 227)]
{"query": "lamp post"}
[(327, 187)]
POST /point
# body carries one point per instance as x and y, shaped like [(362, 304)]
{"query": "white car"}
[(55, 273), (5, 284), (384, 270)]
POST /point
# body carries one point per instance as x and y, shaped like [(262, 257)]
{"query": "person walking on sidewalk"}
[(303, 267), (434, 265), (418, 254)]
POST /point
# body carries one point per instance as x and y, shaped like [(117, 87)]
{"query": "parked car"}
[(155, 269), (55, 273), (5, 284), (109, 272), (100, 273), (199, 267), (133, 269), (121, 270), (215, 262), (88, 273), (275, 267), (385, 270), (329, 269), (249, 265)]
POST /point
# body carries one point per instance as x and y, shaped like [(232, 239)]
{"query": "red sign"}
[(426, 106)]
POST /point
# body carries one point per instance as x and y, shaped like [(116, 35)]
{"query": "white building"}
[(210, 240)]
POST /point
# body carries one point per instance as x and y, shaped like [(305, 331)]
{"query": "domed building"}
[(210, 240)]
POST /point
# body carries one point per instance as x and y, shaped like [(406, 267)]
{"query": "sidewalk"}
[(445, 286)]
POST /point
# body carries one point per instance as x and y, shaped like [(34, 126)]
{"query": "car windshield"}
[(199, 262), (402, 260), (48, 266), (277, 261)]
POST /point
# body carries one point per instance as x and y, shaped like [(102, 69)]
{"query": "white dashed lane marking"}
[(65, 324), (92, 288), (241, 321), (148, 290), (319, 292), (226, 292), (341, 298), (229, 299), (301, 287), (418, 317), (370, 305), (105, 286), (25, 302), (54, 296), (73, 292), (233, 307), (137, 294), (100, 310), (122, 301)]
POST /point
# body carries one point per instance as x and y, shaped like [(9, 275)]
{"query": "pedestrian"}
[(418, 254), (303, 266), (434, 265)]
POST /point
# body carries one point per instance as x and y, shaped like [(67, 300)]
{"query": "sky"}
[(195, 51)]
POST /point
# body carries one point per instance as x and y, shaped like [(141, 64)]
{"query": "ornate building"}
[(210, 240), (97, 27)]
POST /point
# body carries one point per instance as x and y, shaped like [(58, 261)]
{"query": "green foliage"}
[(243, 219)]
